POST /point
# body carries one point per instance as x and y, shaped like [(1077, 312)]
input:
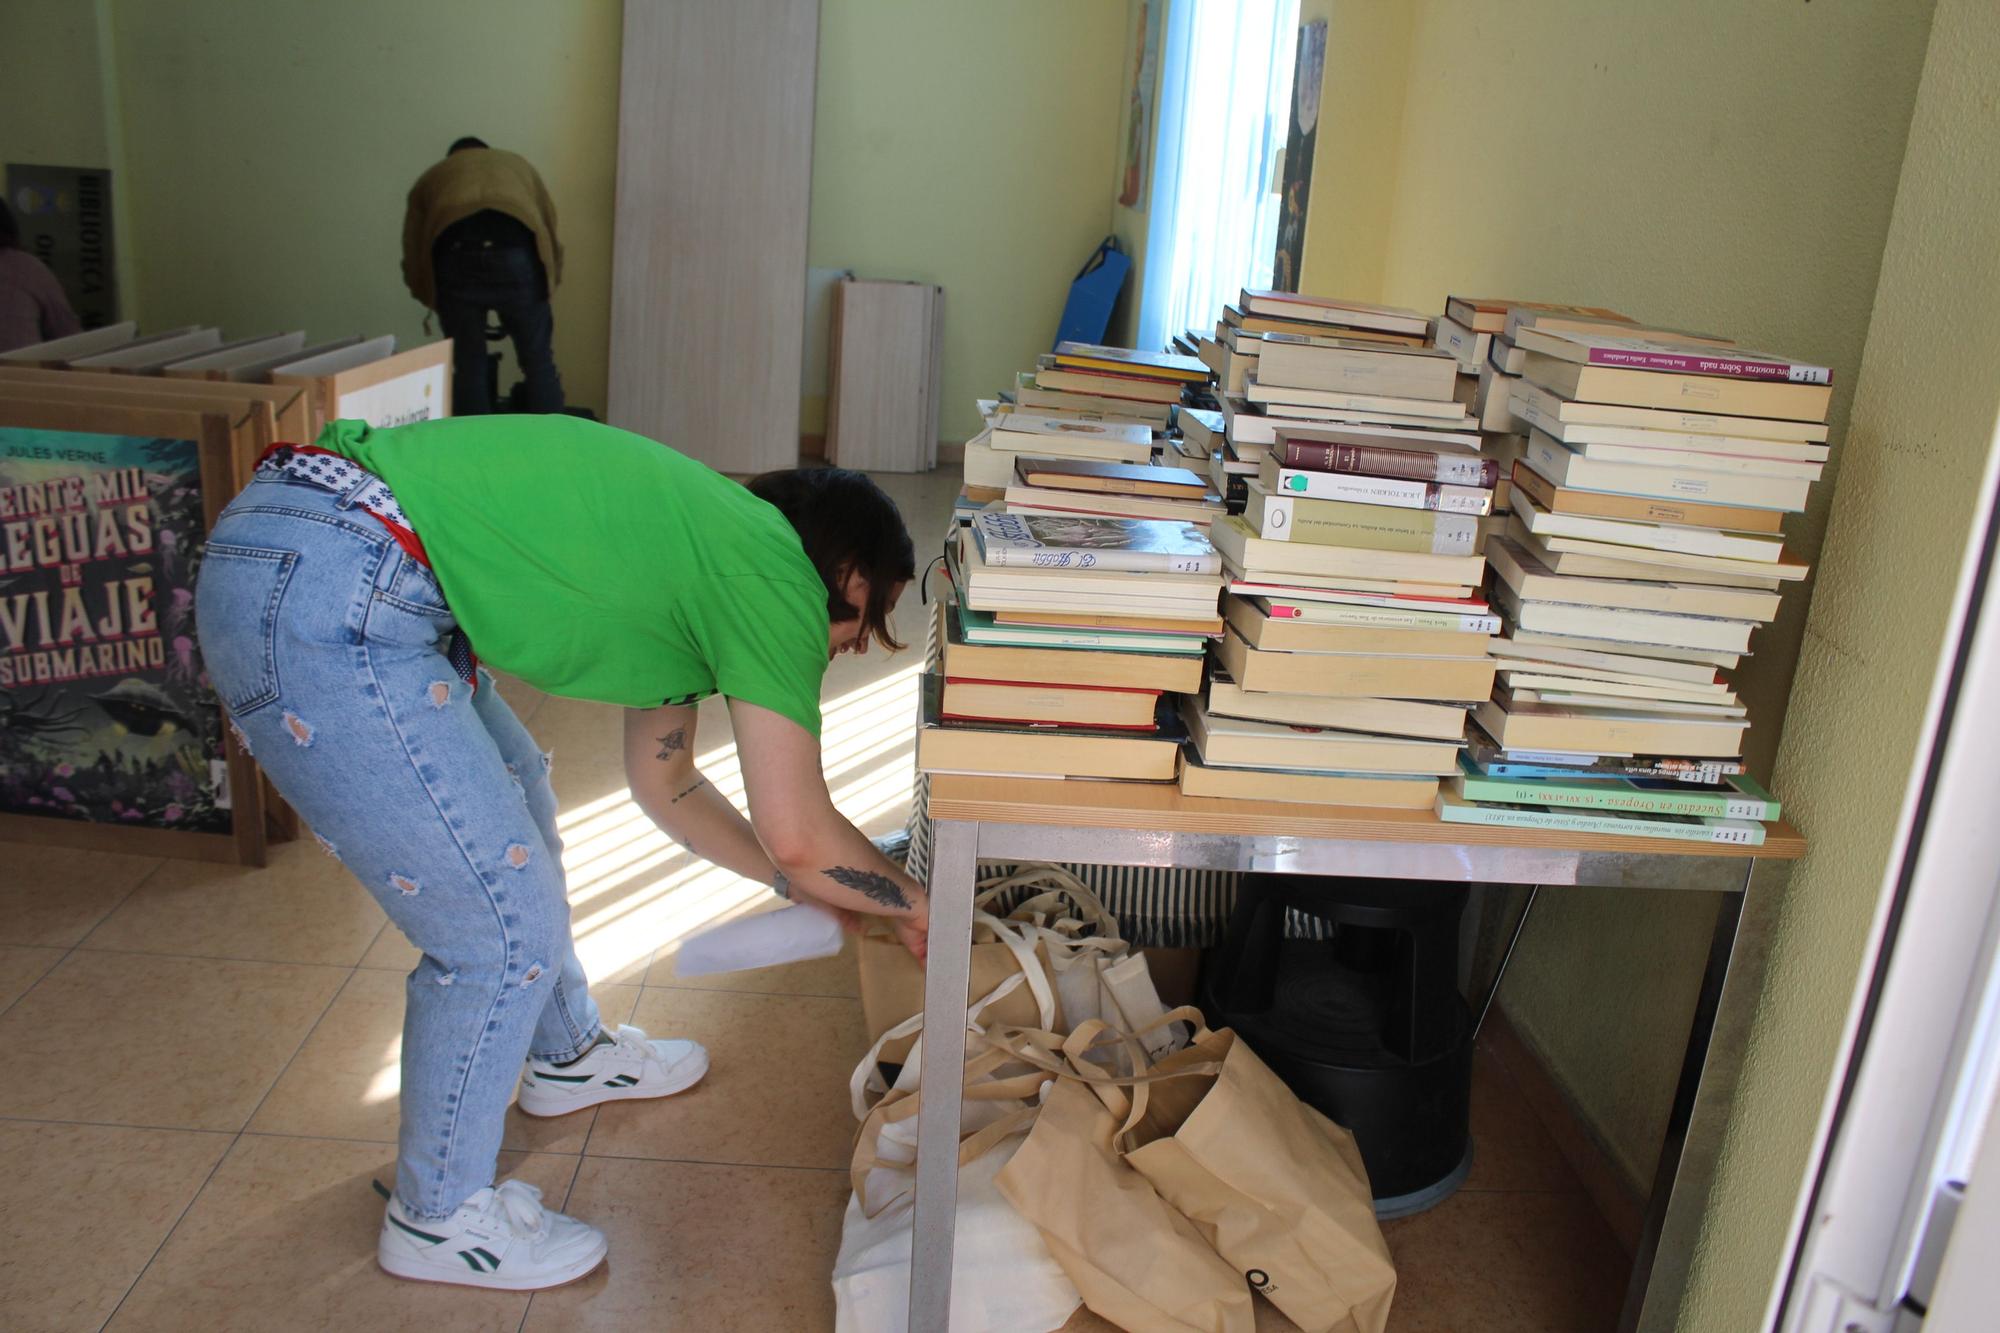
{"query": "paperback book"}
[(1453, 809), (1047, 541)]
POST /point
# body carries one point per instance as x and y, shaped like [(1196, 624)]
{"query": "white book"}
[(1540, 407), (1566, 467), (1652, 536), (1619, 659), (1445, 410), (1707, 460), (1599, 622), (1583, 436)]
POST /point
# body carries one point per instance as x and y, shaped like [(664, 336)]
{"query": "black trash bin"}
[(1357, 1008)]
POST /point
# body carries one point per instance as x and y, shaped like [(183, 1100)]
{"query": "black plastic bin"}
[(1356, 1007)]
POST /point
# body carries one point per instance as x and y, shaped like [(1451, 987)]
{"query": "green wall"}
[(269, 145), (51, 106), (972, 145), (1923, 423), (1705, 164)]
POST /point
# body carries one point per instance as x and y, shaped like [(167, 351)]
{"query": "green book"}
[(1455, 809), (981, 627), (1736, 796)]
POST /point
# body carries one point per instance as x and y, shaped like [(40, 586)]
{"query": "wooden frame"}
[(291, 405), (884, 375), (340, 383), (216, 439)]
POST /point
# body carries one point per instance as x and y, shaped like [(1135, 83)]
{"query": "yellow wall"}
[(1705, 164), (1923, 424), (971, 145), (269, 145)]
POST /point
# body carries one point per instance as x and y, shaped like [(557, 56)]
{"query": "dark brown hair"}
[(847, 524)]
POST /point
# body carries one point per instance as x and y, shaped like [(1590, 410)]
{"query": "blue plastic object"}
[(1093, 292)]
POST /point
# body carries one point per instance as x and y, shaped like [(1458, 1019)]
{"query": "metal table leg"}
[(1694, 1064), (954, 868)]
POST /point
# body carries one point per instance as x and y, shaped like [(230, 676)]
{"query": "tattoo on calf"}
[(677, 739), (688, 790), (878, 887)]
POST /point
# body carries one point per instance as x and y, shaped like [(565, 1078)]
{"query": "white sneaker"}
[(501, 1238), (630, 1065)]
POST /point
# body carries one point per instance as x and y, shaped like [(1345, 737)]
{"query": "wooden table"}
[(1106, 823)]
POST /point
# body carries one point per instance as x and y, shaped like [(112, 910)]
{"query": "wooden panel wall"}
[(883, 410), (709, 245)]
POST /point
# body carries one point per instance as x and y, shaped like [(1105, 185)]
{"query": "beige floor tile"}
[(283, 1237), (304, 907), (133, 1039), (111, 1194), (391, 951), (54, 895), (836, 976), (1506, 1263), (21, 966), (775, 1095), (703, 1249), (343, 1082), (1510, 1149)]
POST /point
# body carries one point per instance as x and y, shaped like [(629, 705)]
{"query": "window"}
[(1225, 94)]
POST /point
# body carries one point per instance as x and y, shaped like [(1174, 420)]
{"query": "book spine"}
[(1129, 562), (1698, 804), (1377, 617), (1705, 363), (1404, 464), (1403, 494), (1374, 526), (1577, 821), (1705, 776)]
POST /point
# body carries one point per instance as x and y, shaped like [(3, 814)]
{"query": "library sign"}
[(105, 712)]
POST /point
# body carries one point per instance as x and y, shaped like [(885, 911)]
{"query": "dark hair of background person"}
[(467, 142), (10, 230), (846, 524)]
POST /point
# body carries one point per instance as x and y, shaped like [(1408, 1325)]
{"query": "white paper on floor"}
[(789, 935)]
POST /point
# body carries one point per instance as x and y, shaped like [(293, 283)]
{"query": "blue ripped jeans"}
[(325, 641)]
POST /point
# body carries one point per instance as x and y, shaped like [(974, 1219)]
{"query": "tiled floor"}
[(201, 1083)]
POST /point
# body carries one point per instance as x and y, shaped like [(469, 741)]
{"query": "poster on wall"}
[(1308, 74), (106, 715), (65, 218), (1139, 105)]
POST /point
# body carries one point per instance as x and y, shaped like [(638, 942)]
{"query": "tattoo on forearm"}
[(878, 887), (781, 886), (688, 790), (677, 739)]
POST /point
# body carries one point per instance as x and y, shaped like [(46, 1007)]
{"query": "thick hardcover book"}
[(1132, 361), (1731, 797), (1382, 791), (1059, 705), (1328, 310), (1360, 489), (1665, 390), (1637, 353), (1453, 809), (1330, 451), (1566, 467), (1488, 314), (1288, 517), (1644, 508), (1044, 541), (1087, 474), (1053, 752), (1253, 554)]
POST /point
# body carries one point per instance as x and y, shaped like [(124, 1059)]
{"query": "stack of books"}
[(1355, 644), (1644, 549), (1067, 644)]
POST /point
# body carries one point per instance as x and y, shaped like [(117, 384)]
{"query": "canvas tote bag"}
[(1276, 1188), (1005, 1279), (1136, 1260), (1095, 973)]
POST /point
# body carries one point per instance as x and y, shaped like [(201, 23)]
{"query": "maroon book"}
[(1376, 460)]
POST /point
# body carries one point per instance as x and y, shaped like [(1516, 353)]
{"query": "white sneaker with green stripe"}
[(500, 1237), (629, 1065)]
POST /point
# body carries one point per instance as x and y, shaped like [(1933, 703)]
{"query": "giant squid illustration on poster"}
[(105, 711)]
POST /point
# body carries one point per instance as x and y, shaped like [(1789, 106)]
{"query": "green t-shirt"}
[(598, 564)]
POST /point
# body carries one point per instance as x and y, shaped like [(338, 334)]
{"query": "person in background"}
[(479, 234), (33, 308)]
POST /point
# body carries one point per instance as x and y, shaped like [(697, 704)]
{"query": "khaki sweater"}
[(465, 183)]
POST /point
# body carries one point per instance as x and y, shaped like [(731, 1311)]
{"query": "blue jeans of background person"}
[(323, 639), (507, 280)]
